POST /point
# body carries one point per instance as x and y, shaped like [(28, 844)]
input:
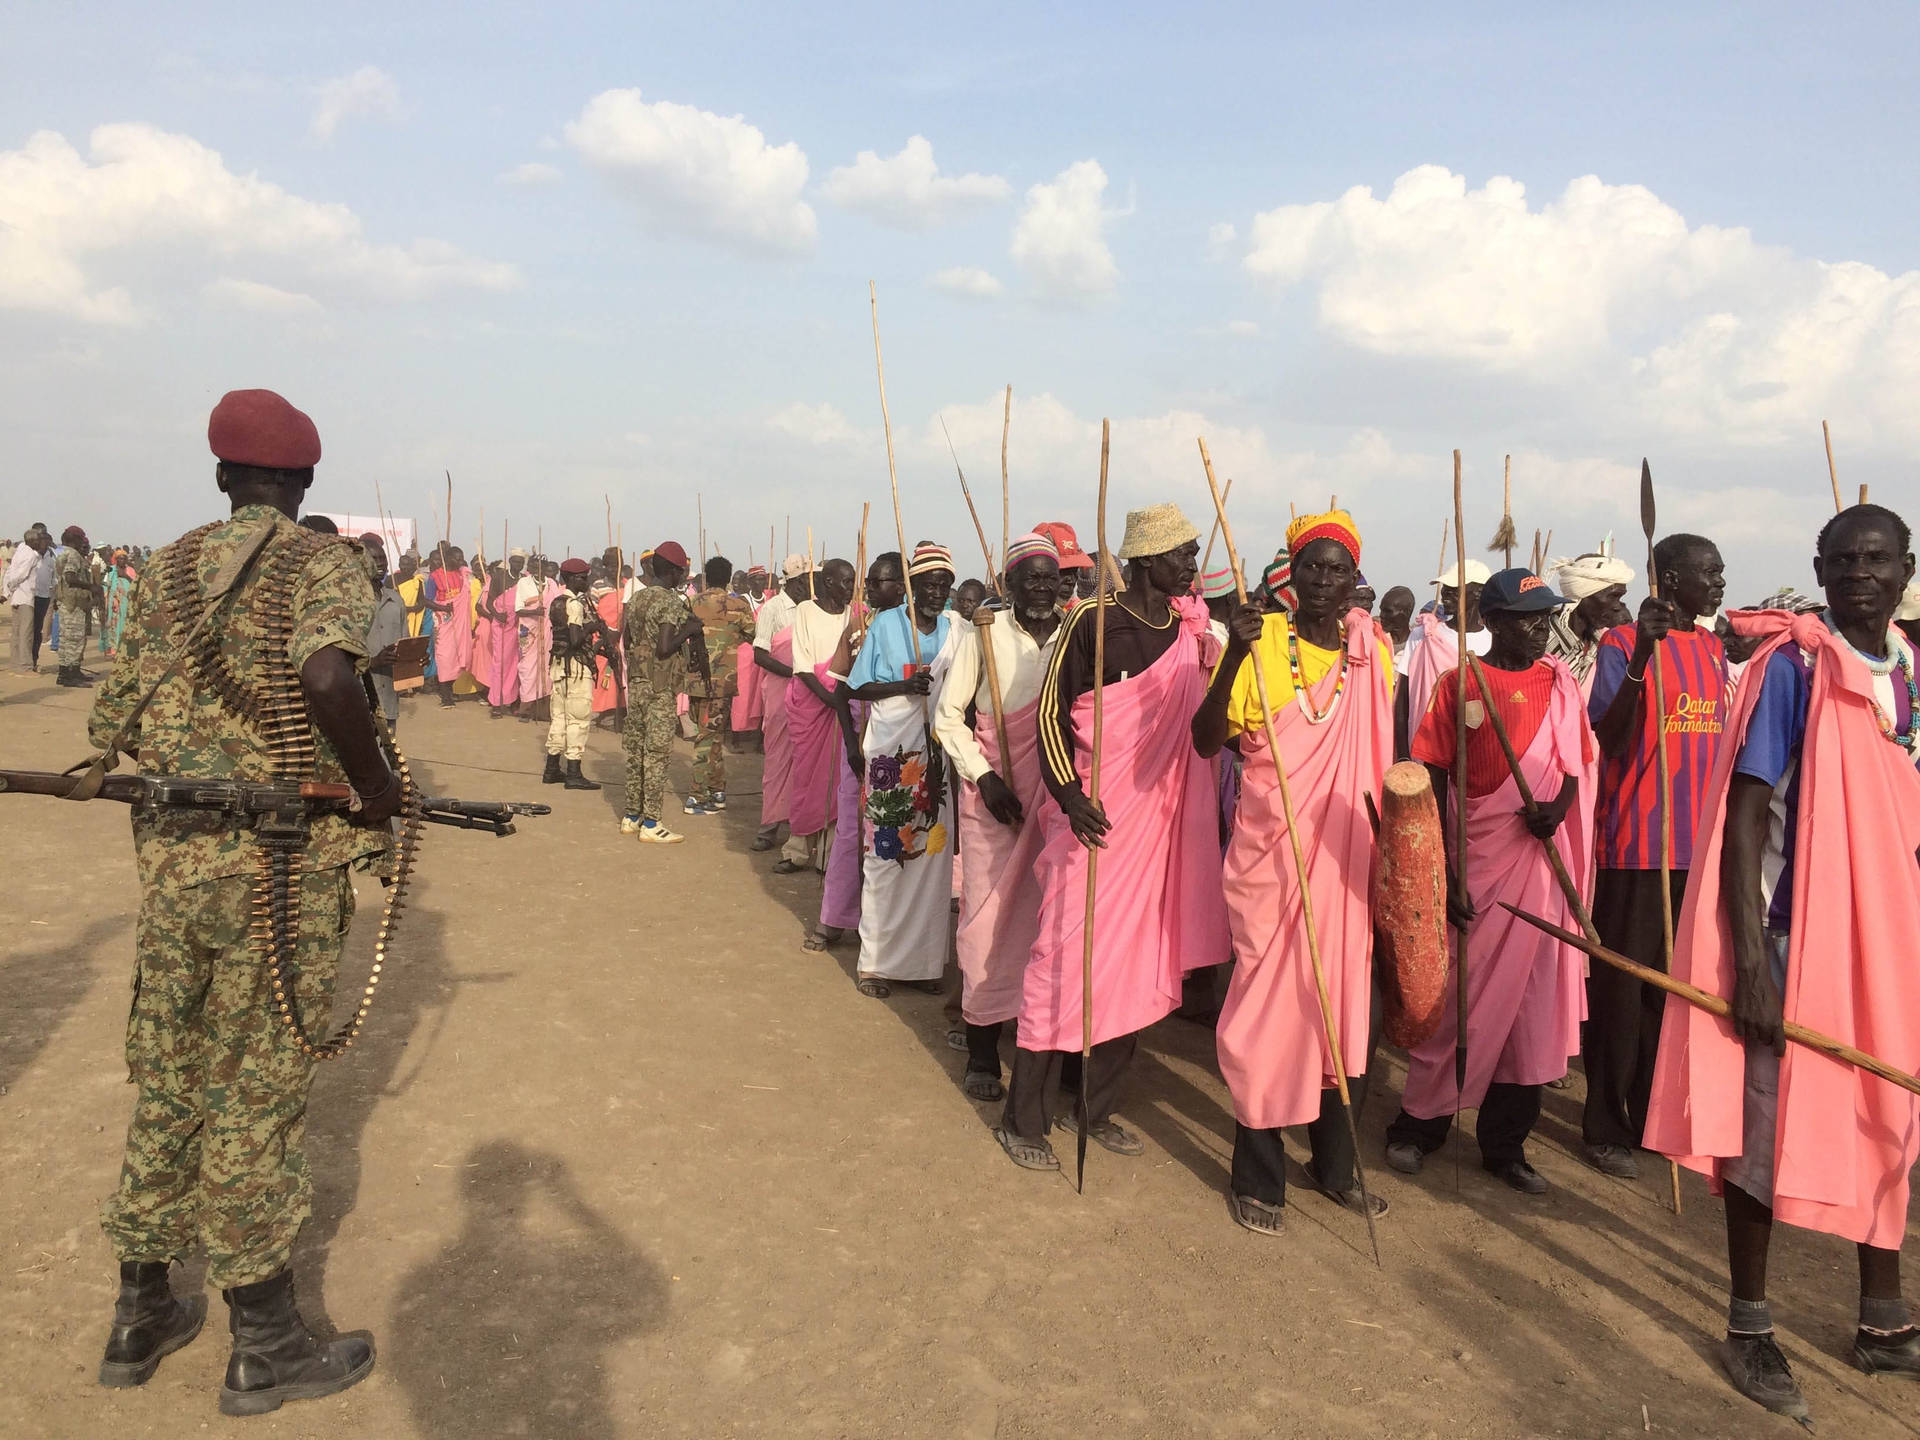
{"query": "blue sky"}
[(337, 204)]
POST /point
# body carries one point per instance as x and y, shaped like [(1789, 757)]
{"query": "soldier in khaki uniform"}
[(579, 635), (76, 592), (726, 620), (659, 628), (214, 1152)]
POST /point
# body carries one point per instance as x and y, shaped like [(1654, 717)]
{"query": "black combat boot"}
[(552, 774), (276, 1358), (74, 678), (149, 1324), (577, 781)]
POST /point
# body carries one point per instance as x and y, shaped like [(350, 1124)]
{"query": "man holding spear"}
[(1802, 907)]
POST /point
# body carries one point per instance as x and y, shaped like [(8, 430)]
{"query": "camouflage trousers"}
[(648, 743), (214, 1151), (709, 747), (75, 621)]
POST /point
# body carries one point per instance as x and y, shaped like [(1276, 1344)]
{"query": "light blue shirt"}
[(888, 649)]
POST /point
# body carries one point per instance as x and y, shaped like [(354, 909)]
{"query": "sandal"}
[(1107, 1134), (873, 987), (1027, 1154), (957, 1040), (983, 1085), (824, 938), (784, 866), (1346, 1199), (1256, 1215)]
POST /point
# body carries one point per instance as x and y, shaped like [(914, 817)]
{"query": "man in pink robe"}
[(1336, 741), (1803, 906), (1526, 993), (535, 643), (773, 657), (1159, 911), (813, 721), (452, 629), (1433, 647), (500, 617)]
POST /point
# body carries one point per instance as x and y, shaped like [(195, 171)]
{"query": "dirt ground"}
[(616, 1158)]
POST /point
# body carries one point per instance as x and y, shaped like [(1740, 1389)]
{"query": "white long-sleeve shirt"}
[(22, 571), (1022, 664)]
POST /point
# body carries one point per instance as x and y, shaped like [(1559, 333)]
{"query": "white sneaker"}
[(653, 832), (717, 800), (629, 825)]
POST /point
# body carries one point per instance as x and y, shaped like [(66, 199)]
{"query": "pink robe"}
[(452, 632), (1846, 1139), (840, 894), (819, 754), (502, 625), (536, 650), (480, 663), (1271, 1042), (1158, 911), (609, 675), (776, 776), (1435, 655), (1526, 991), (746, 703), (1000, 901)]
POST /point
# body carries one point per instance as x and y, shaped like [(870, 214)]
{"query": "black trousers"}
[(1621, 1035), (1507, 1117), (1260, 1159), (41, 604), (983, 1047), (1033, 1090)]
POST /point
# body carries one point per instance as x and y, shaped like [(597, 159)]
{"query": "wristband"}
[(358, 801), (1639, 679)]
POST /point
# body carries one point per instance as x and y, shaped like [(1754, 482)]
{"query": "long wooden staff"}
[(1714, 1005), (810, 594), (983, 627), (993, 574), (893, 479), (1006, 509), (1647, 520), (1459, 800), (1093, 851), (1504, 538), (446, 535), (1327, 1027), (1214, 533), (1438, 566), (1832, 474)]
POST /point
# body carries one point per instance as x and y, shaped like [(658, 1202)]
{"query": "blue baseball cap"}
[(1520, 592)]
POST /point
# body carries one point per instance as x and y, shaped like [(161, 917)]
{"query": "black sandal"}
[(825, 938), (1027, 1154), (983, 1085), (784, 866), (873, 987), (1107, 1134), (1257, 1216)]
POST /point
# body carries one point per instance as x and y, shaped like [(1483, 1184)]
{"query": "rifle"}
[(276, 809)]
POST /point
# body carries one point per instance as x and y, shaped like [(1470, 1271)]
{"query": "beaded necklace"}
[(1315, 717), (1900, 658)]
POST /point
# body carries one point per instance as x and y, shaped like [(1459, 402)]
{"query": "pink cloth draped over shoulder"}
[(536, 651), (1437, 652), (452, 633), (1526, 991), (818, 754), (1000, 901), (480, 662), (776, 775), (503, 663), (840, 891), (745, 708), (1846, 1139), (1159, 911), (1270, 1039)]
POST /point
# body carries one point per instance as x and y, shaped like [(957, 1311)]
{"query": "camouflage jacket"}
[(653, 611), (188, 729), (73, 578), (728, 622)]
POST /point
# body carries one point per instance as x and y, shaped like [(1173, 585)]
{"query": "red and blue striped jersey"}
[(1629, 815)]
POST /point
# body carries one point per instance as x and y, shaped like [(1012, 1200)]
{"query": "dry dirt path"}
[(617, 1158)]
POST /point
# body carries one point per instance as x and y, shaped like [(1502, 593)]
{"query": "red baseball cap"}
[(670, 551), (1072, 557), (258, 427)]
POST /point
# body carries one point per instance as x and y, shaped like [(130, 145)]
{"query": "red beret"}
[(257, 427), (670, 551), (574, 566)]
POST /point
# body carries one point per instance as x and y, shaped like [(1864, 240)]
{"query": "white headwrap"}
[(1583, 575), (1909, 603)]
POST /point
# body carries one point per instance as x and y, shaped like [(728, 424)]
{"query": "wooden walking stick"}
[(1093, 851), (993, 575), (1459, 806), (1440, 564), (1504, 538), (1006, 424), (1863, 494), (1832, 474), (446, 536), (1327, 1026), (893, 479), (983, 627), (1213, 534), (810, 594)]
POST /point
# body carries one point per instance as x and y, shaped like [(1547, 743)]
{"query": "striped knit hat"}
[(1216, 583), (1276, 581), (1025, 547), (928, 557), (1334, 525)]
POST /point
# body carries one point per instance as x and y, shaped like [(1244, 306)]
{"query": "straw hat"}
[(1156, 530)]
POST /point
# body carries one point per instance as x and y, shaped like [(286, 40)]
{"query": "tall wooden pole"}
[(1648, 519), (993, 574), (1006, 508), (1093, 851), (1459, 801), (1832, 474), (893, 480), (1214, 533), (1328, 1028)]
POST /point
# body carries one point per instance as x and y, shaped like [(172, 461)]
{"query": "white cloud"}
[(692, 172), (1059, 239), (908, 191), (161, 206), (260, 299), (369, 93), (1246, 329), (967, 280), (1220, 240), (1607, 291), (533, 172), (815, 424)]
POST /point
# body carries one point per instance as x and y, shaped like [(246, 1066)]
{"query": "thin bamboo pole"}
[(1832, 474), (1006, 509), (1093, 851)]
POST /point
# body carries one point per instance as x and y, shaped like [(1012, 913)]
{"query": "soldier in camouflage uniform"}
[(214, 1153), (726, 620), (76, 592), (659, 628)]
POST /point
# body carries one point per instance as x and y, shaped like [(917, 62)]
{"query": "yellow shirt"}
[(1243, 705)]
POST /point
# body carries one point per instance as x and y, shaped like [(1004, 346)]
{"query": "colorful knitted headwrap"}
[(1216, 583), (928, 557), (1276, 581), (1025, 547), (1335, 525)]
